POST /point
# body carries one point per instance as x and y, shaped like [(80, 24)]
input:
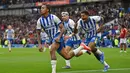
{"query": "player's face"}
[(44, 9), (65, 18), (84, 17), (9, 27)]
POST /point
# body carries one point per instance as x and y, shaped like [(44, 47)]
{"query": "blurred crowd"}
[(24, 26), (10, 2)]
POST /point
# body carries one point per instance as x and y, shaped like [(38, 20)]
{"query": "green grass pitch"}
[(27, 60)]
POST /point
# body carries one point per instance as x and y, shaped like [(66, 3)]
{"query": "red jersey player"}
[(123, 35)]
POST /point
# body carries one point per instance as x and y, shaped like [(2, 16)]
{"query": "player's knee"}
[(67, 58), (92, 46), (94, 50), (52, 50)]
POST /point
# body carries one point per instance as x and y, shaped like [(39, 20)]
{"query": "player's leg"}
[(125, 45), (68, 66), (9, 45), (71, 53), (70, 45), (78, 44), (98, 54), (121, 45), (53, 49)]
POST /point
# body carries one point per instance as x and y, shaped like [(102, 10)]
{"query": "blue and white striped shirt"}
[(10, 33), (89, 27), (50, 24), (69, 27)]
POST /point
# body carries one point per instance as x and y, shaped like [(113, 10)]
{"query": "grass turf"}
[(27, 60)]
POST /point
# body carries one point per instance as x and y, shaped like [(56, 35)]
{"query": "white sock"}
[(83, 51), (98, 52), (67, 62), (105, 64), (50, 47), (9, 46), (53, 63), (76, 51), (44, 49)]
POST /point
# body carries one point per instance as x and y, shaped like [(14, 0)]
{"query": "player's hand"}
[(40, 48), (66, 37)]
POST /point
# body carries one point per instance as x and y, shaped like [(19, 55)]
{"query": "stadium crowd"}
[(10, 2), (24, 26)]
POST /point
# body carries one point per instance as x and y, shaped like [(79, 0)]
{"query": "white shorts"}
[(122, 40)]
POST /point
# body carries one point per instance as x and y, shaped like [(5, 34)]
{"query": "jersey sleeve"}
[(12, 30), (96, 18), (72, 24), (38, 24), (56, 20), (79, 24)]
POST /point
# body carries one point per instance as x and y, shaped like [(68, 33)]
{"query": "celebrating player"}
[(73, 40), (88, 25)]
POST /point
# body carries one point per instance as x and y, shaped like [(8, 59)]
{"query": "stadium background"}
[(23, 15)]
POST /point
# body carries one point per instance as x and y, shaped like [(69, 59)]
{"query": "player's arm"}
[(38, 31), (61, 27), (100, 28), (5, 34), (38, 36), (13, 35), (74, 27), (99, 24), (77, 27)]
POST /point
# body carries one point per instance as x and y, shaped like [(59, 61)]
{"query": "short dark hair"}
[(85, 12), (47, 6)]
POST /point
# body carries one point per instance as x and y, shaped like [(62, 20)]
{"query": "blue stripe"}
[(43, 22), (89, 33), (95, 27), (75, 37), (92, 34), (52, 19), (53, 32), (49, 31), (81, 23), (70, 28), (47, 20)]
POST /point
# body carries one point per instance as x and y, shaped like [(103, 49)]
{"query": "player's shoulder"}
[(95, 17), (80, 20), (39, 18), (12, 30), (53, 15), (6, 30), (71, 21)]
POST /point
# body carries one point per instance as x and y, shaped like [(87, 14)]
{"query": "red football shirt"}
[(123, 33)]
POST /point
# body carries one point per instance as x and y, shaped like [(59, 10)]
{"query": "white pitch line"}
[(95, 70)]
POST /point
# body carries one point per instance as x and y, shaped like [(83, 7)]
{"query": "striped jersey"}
[(99, 21), (10, 33), (69, 27), (89, 27), (50, 24)]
